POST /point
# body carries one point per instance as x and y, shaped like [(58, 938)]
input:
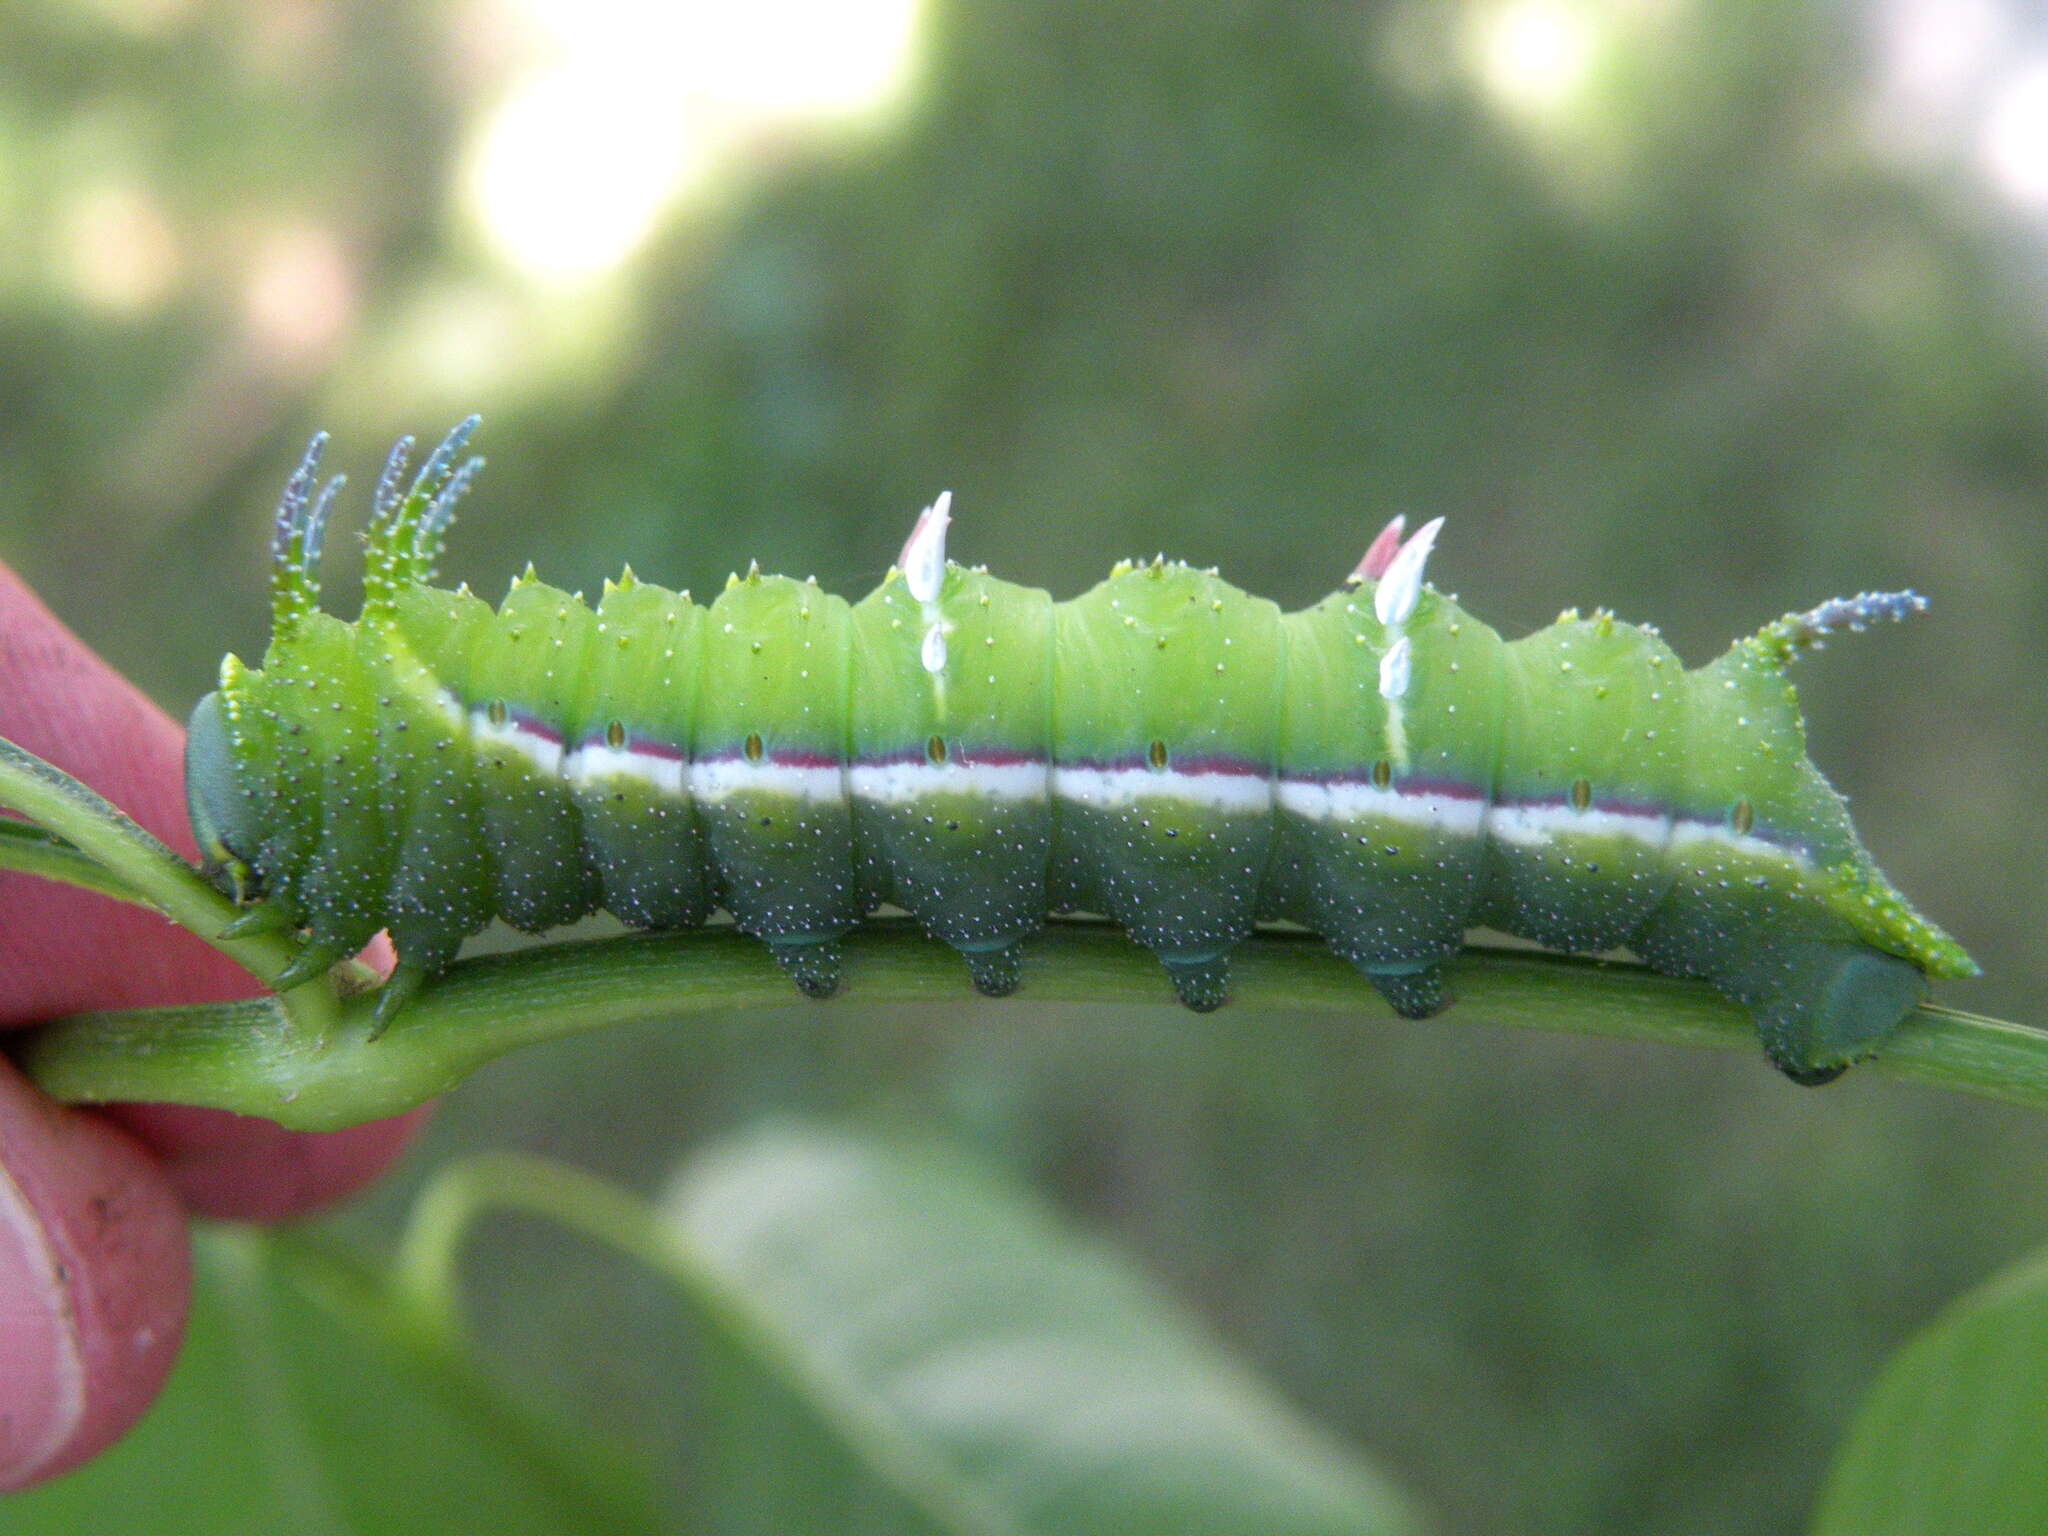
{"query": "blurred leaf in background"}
[(1043, 1384), (1704, 312), (1954, 1436), (306, 1400), (864, 1337)]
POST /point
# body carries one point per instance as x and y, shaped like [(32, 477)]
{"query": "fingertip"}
[(62, 949), (94, 1278), (238, 1168)]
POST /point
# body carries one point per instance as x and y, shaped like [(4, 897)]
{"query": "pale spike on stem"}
[(433, 523), (1395, 668), (1785, 640), (1401, 587), (433, 476), (440, 463), (295, 539), (298, 490), (432, 496), (385, 501), (923, 560), (314, 526), (406, 527), (1380, 553)]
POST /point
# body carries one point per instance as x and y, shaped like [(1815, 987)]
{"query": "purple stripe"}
[(1446, 789), (1643, 808), (643, 746), (1215, 762), (780, 759), (998, 757), (526, 723), (966, 756)]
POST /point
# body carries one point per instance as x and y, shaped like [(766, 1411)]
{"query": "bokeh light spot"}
[(117, 249), (300, 296), (573, 171), (621, 108), (1536, 55), (2014, 140)]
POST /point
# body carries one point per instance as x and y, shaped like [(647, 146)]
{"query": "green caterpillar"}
[(1164, 750)]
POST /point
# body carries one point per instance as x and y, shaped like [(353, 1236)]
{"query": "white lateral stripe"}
[(596, 760), (1522, 825), (720, 780), (1111, 789), (544, 755), (1685, 832), (904, 783), (1350, 802), (1343, 802), (1532, 825)]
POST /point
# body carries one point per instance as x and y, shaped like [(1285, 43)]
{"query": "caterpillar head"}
[(223, 821)]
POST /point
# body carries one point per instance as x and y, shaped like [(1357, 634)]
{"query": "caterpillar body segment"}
[(629, 768), (1380, 800), (768, 769), (949, 777), (1165, 719), (1381, 768)]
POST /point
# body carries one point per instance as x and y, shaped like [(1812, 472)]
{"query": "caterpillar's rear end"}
[(1774, 899), (1165, 750)]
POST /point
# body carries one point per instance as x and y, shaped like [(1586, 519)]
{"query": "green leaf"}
[(1953, 1439), (308, 1400), (1002, 1372)]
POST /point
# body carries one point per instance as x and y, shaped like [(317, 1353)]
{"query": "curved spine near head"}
[(295, 538), (408, 527)]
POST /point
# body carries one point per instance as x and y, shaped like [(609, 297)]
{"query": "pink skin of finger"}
[(93, 1267)]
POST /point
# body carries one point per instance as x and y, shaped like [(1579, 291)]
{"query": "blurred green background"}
[(1702, 311)]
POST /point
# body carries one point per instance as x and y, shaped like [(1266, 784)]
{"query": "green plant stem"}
[(144, 870), (246, 1056), (32, 851)]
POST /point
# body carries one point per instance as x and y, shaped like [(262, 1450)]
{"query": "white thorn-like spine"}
[(1394, 670), (1401, 588), (1386, 543), (923, 560)]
